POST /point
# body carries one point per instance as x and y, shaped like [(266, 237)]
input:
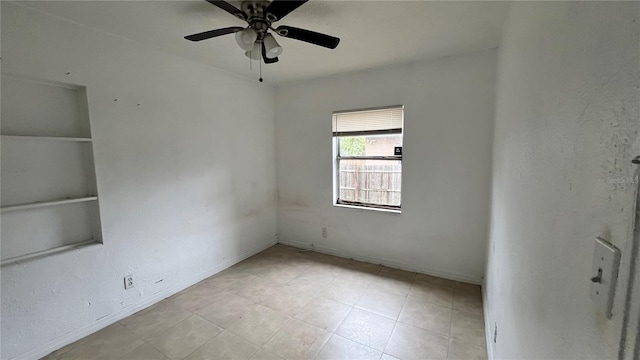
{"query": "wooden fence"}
[(376, 183)]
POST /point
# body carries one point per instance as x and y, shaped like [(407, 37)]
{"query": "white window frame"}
[(336, 164)]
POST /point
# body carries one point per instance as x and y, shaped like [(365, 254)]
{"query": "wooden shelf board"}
[(48, 203), (48, 138), (49, 252)]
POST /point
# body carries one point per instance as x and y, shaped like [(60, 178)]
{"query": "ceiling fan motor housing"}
[(256, 17)]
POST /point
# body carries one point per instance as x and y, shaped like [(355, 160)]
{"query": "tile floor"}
[(287, 304)]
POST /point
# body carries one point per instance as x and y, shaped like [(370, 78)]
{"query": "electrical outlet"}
[(324, 231), (128, 282)]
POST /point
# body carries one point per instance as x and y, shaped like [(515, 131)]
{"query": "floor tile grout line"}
[(340, 336), (251, 342), (172, 326), (398, 319), (356, 341), (449, 337), (306, 322), (208, 341), (137, 347), (192, 314)]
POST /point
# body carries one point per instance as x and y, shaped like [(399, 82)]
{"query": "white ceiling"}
[(372, 33)]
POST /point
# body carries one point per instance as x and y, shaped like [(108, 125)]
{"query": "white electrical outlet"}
[(324, 231), (128, 282)]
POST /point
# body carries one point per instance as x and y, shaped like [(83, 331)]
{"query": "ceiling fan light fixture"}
[(246, 38), (272, 48), (255, 52)]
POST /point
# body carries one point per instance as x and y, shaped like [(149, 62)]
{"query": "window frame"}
[(337, 158)]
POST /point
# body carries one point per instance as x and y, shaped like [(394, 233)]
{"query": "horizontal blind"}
[(368, 122)]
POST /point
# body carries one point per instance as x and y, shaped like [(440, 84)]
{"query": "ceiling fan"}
[(255, 39)]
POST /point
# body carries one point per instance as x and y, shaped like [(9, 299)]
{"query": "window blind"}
[(368, 122)]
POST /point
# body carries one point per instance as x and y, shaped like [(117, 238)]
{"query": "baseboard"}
[(82, 332), (393, 264), (487, 324)]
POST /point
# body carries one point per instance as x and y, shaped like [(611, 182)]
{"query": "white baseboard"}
[(392, 264), (82, 332), (488, 332)]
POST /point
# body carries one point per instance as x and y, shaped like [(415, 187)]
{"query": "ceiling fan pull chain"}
[(260, 69)]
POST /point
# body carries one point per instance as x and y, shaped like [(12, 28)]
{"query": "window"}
[(368, 157)]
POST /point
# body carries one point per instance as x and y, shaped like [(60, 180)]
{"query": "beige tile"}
[(157, 319), (252, 299), (111, 342), (340, 348), (281, 273), (346, 292), (321, 268), (263, 354), (468, 326), (436, 280), (391, 283), (407, 275), (144, 352), (229, 280), (259, 325), (410, 342), (468, 299), (422, 314), (381, 302), (225, 346), (366, 328), (182, 339), (432, 293), (184, 291), (310, 282), (310, 275), (301, 259), (324, 313), (363, 277), (199, 297), (227, 309), (298, 340), (258, 289), (287, 300), (465, 350)]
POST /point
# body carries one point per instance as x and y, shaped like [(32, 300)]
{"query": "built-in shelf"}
[(49, 191), (47, 203), (49, 252), (48, 138)]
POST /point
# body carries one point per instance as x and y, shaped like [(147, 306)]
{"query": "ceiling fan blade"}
[(309, 36), (213, 33), (266, 59), (228, 8), (280, 8)]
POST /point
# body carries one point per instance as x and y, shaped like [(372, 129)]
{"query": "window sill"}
[(366, 208)]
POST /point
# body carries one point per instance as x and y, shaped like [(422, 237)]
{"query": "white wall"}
[(566, 129), (186, 179), (449, 111)]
